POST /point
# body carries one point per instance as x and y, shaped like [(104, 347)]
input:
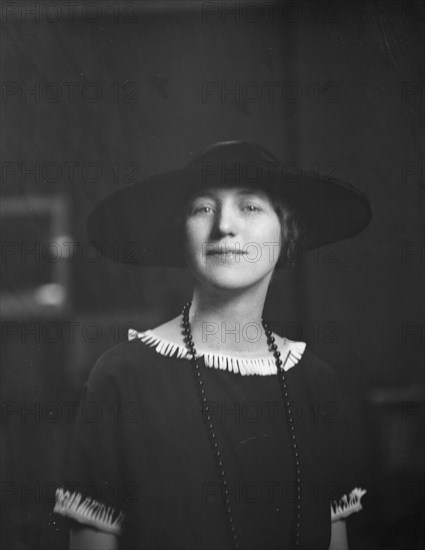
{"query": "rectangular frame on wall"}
[(36, 256)]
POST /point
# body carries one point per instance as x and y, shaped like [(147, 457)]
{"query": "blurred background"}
[(98, 95)]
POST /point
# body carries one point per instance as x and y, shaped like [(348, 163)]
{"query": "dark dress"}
[(141, 447)]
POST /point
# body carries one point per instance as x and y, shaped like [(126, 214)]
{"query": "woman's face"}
[(232, 236)]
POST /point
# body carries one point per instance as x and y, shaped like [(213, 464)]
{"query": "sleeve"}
[(95, 474), (343, 463)]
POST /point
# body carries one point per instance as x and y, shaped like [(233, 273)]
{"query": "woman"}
[(210, 431)]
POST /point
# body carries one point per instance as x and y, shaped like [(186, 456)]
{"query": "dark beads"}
[(215, 446)]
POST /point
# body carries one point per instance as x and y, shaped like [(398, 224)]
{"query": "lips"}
[(225, 252)]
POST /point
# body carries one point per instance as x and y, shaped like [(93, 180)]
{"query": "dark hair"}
[(290, 233)]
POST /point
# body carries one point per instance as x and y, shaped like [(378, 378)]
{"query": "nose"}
[(226, 220)]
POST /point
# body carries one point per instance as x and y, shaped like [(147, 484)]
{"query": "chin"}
[(233, 279)]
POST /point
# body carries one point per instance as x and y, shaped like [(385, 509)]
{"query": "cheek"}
[(189, 246), (273, 235), (188, 236), (272, 232), (193, 237)]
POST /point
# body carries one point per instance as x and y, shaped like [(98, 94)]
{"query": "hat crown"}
[(235, 152)]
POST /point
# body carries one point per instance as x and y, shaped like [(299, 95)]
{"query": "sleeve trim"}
[(347, 505), (88, 511)]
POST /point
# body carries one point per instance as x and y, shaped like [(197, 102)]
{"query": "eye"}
[(251, 208), (202, 209)]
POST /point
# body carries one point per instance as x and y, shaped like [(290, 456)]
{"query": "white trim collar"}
[(245, 366), (347, 505), (88, 511)]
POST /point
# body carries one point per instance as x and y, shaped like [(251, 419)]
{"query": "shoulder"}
[(121, 364), (171, 330), (316, 364), (317, 372)]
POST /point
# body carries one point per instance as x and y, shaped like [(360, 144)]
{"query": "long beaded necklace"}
[(212, 432)]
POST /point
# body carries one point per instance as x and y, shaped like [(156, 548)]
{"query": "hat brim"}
[(139, 224)]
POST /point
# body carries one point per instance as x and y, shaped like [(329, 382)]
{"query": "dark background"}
[(347, 100)]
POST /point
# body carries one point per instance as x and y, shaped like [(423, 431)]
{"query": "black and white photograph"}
[(212, 267)]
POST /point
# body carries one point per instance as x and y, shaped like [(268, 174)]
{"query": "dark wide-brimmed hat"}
[(141, 224)]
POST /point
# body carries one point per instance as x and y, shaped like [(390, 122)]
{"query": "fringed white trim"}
[(245, 366), (88, 511), (347, 505)]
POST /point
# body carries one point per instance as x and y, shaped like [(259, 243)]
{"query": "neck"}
[(228, 322)]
